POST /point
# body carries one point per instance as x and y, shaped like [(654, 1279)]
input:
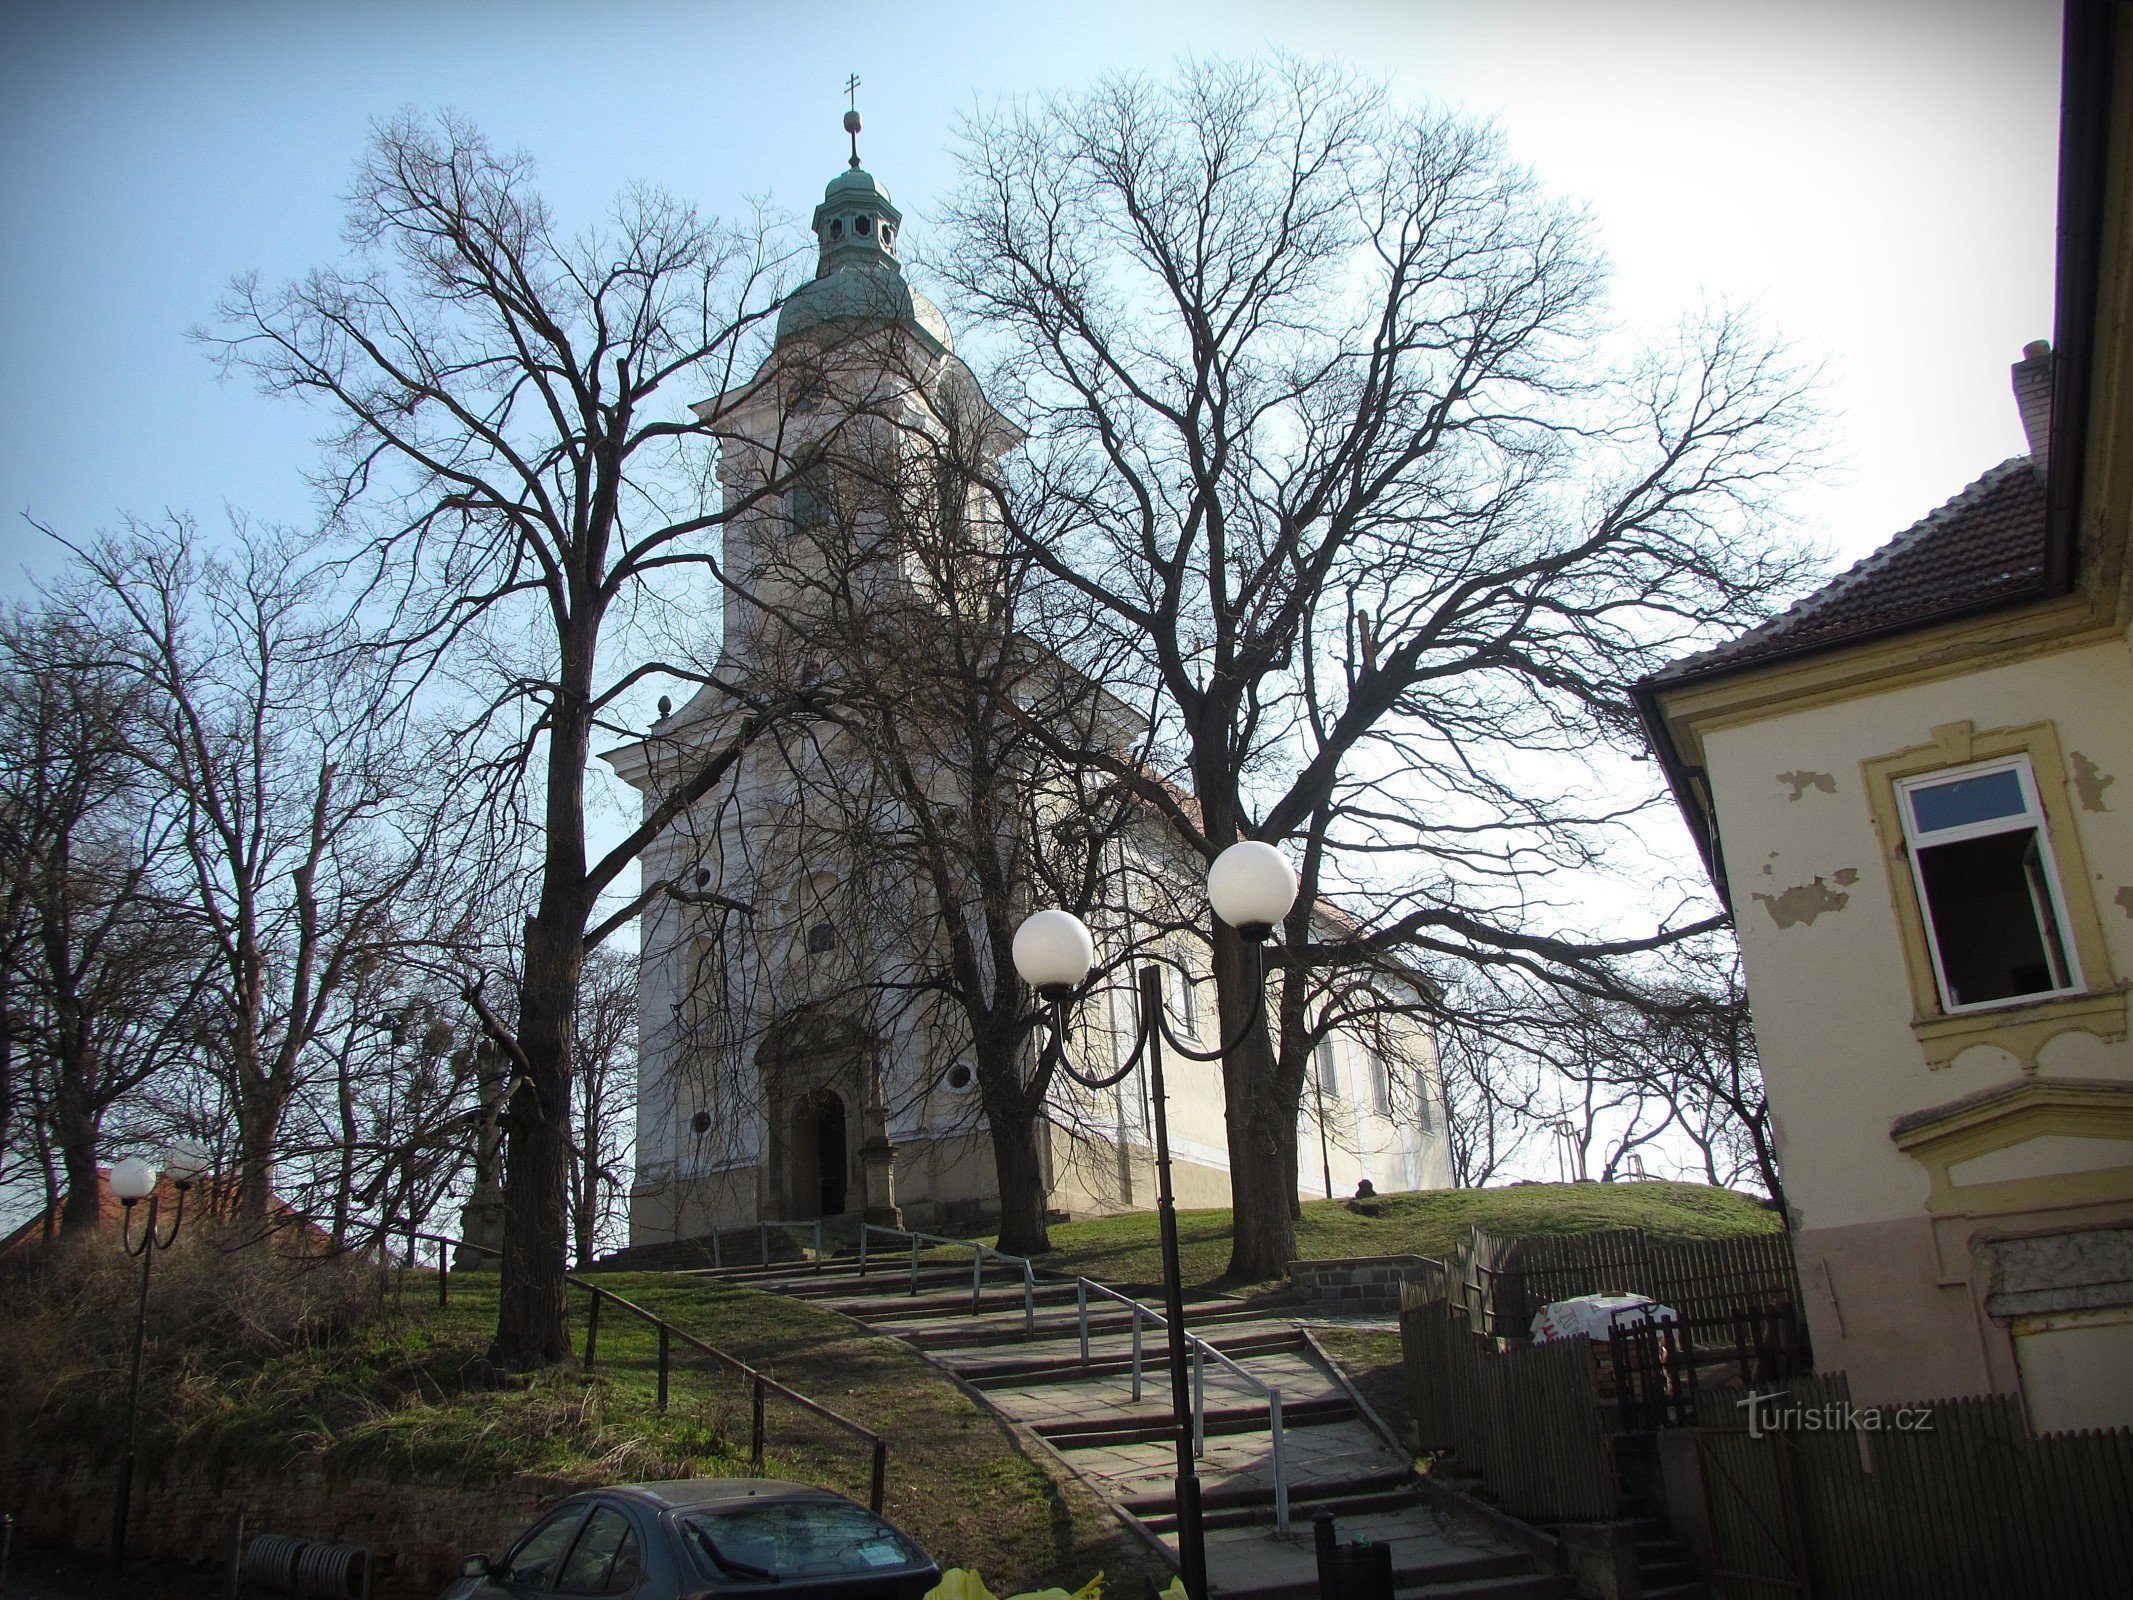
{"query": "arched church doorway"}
[(821, 1163)]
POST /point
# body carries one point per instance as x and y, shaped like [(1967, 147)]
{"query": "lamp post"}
[(1251, 887), (134, 1180)]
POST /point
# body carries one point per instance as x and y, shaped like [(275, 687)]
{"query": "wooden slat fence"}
[(1503, 1283), (1527, 1419), (1961, 1504)]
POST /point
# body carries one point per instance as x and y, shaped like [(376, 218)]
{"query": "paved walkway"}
[(1026, 1361)]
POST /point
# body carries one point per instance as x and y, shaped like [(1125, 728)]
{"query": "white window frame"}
[(2032, 816), (1178, 996)]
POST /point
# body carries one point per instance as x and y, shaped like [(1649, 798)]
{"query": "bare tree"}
[(1321, 427), (101, 982), (298, 796), (513, 458), (603, 1099)]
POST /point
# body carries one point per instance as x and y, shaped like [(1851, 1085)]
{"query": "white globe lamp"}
[(185, 1161), (1053, 952), (1251, 886), (133, 1179)]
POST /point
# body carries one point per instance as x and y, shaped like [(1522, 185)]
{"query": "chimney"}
[(2033, 396)]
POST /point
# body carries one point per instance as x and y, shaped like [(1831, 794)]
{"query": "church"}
[(786, 1072)]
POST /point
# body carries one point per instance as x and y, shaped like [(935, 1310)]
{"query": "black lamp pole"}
[(1192, 1536), (146, 1250), (1148, 1045)]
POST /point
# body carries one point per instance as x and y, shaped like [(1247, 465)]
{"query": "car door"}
[(607, 1557), (531, 1567)]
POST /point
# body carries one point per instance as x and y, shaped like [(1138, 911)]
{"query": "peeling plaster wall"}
[(1824, 958)]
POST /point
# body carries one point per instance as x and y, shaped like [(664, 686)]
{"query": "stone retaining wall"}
[(1359, 1283), (420, 1531)]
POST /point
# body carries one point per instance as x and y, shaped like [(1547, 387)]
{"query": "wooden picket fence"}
[(1955, 1500), (1527, 1419), (1503, 1283)]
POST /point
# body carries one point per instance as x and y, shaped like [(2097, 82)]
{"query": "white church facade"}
[(783, 1075)]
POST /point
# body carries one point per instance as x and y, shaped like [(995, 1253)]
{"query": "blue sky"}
[(1876, 177)]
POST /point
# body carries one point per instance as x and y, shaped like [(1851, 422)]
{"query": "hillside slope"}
[(1123, 1249)]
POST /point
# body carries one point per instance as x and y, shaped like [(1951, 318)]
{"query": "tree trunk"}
[(260, 1104), (531, 1326), (1020, 1167), (1263, 1232), (81, 1210)]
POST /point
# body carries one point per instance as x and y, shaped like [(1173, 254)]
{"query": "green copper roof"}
[(858, 281)]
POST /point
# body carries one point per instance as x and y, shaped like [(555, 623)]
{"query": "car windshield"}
[(797, 1538)]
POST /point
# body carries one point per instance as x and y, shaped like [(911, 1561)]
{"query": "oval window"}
[(862, 224)]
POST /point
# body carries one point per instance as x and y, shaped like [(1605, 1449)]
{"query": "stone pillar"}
[(877, 1156)]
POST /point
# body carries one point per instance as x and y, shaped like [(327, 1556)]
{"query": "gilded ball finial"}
[(851, 122)]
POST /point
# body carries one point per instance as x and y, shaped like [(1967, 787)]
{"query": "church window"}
[(888, 234), (1380, 1082), (1425, 1108), (1329, 1079), (1982, 861), (1178, 997), (700, 1124), (810, 502), (837, 228), (862, 225), (959, 1076), (822, 938)]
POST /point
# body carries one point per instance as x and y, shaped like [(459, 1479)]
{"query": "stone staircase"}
[(1027, 1366)]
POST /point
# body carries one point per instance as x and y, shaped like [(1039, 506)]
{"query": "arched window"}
[(810, 501), (822, 938)]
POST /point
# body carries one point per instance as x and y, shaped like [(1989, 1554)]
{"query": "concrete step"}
[(1089, 1435), (1068, 1368), (1006, 1324), (1354, 1505), (1158, 1509)]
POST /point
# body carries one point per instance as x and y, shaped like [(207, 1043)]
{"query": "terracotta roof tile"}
[(1984, 547)]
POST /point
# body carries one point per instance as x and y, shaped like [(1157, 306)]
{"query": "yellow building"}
[(1915, 792)]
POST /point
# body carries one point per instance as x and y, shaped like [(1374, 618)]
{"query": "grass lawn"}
[(402, 1392), (1124, 1250)]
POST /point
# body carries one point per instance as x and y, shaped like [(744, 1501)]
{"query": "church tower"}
[(772, 1096)]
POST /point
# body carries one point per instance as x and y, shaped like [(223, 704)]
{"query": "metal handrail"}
[(1201, 1349), (977, 1266), (763, 1232), (761, 1381)]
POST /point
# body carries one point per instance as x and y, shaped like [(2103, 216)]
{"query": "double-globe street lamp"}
[(134, 1180), (1251, 887)]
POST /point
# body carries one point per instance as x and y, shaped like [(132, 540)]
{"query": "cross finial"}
[(851, 117)]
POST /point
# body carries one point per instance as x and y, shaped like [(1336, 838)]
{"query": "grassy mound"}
[(264, 1362), (1123, 1249)]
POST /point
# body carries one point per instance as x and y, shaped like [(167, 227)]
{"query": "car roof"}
[(691, 1494)]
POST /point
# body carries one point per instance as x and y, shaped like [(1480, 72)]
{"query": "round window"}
[(959, 1076), (862, 224), (701, 1122)]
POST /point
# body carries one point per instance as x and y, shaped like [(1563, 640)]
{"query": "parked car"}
[(698, 1538)]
